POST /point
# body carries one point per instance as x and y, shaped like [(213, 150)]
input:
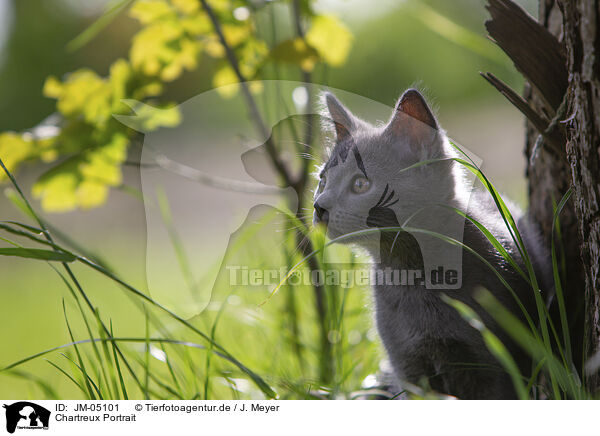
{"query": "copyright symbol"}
[(138, 407)]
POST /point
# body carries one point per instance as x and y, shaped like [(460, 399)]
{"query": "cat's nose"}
[(322, 214)]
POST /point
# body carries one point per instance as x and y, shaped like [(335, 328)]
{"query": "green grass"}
[(100, 337), (263, 338)]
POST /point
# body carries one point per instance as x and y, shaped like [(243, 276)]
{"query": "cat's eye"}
[(360, 185), (322, 183)]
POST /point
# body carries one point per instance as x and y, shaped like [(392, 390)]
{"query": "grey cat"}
[(373, 180)]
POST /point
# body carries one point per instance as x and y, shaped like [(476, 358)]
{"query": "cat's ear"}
[(343, 121), (412, 118)]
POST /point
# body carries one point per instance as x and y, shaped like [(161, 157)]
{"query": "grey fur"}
[(426, 340)]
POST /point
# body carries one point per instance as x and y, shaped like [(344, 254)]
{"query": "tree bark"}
[(558, 55), (582, 40), (549, 177)]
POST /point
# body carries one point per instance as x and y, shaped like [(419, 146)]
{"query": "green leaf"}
[(83, 180), (186, 58), (330, 38), (56, 188), (120, 75), (14, 150), (198, 24), (35, 253), (251, 55), (149, 11), (148, 118), (82, 93), (186, 6), (297, 52), (223, 77), (101, 165), (164, 50)]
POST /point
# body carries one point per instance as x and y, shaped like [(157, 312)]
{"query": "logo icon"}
[(26, 415)]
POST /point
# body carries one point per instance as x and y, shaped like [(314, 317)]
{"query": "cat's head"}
[(365, 182)]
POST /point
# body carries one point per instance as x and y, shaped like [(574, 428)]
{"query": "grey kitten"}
[(384, 176)]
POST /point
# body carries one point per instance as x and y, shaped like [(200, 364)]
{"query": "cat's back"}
[(484, 212)]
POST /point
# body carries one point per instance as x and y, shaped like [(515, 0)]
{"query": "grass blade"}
[(97, 26), (82, 367), (66, 374), (114, 348), (35, 253), (557, 280), (86, 376)]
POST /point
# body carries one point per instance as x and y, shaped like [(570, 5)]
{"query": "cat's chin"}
[(337, 236), (349, 238)]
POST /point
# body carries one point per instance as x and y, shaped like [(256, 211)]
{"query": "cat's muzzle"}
[(322, 215)]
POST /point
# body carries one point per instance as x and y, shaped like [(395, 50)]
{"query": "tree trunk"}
[(549, 178), (558, 57), (582, 40)]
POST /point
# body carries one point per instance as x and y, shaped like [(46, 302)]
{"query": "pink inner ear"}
[(341, 132), (413, 105)]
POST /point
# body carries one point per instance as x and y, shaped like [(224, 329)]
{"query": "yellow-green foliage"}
[(89, 147)]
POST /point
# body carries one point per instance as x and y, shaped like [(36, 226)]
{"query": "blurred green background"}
[(397, 44)]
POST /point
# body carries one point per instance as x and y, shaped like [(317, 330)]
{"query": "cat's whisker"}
[(307, 123), (293, 141), (304, 144), (298, 227), (306, 214), (303, 243), (306, 156)]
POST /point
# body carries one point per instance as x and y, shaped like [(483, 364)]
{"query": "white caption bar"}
[(298, 417)]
